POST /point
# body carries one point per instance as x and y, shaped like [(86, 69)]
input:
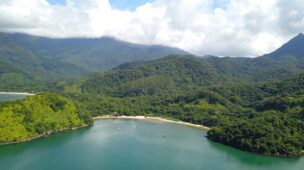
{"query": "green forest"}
[(38, 115), (253, 104), (263, 117)]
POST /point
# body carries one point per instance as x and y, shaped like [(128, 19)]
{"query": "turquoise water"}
[(135, 145), (11, 97)]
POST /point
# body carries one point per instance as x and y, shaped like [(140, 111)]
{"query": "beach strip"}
[(159, 119), (17, 93)]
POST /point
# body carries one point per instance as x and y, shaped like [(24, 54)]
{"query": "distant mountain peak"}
[(299, 36), (294, 47)]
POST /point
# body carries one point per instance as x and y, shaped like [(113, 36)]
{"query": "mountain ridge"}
[(93, 54), (294, 47), (249, 103)]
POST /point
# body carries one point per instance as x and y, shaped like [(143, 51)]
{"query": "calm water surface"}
[(135, 145)]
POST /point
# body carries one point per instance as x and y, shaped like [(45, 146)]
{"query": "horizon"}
[(218, 27), (117, 39)]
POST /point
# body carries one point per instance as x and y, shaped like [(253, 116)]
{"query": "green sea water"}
[(135, 145)]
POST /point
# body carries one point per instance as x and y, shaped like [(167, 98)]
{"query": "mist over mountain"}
[(20, 67), (184, 72), (234, 68), (41, 58), (92, 54)]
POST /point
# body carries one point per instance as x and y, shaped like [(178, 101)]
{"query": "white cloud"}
[(241, 28)]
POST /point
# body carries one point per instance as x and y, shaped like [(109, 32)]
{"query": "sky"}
[(239, 28)]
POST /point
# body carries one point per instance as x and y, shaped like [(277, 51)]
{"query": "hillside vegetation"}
[(37, 115), (264, 118), (91, 54), (254, 104), (32, 63), (247, 110)]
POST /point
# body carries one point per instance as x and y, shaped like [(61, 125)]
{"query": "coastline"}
[(148, 118), (18, 93), (45, 134), (159, 119)]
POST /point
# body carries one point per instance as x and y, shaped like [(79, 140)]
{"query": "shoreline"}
[(45, 134), (159, 119), (147, 118), (18, 93)]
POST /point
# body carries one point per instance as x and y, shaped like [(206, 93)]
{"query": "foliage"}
[(37, 115), (257, 116), (253, 104), (92, 54)]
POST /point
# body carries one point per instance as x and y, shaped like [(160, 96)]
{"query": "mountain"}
[(294, 48), (284, 62), (21, 69), (11, 77), (264, 116), (26, 61), (181, 73), (254, 104), (274, 126), (92, 54), (172, 73), (258, 69)]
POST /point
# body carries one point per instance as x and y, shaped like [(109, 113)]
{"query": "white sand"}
[(151, 118), (18, 93)]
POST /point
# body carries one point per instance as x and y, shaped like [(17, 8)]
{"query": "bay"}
[(135, 144)]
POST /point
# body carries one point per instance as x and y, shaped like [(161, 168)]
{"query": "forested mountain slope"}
[(186, 72), (294, 48), (13, 78), (171, 74), (265, 117), (26, 61), (41, 61), (255, 104), (92, 54)]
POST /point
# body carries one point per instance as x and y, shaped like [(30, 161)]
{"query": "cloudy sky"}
[(219, 27)]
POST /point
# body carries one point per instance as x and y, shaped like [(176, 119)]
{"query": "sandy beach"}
[(18, 93), (160, 119)]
